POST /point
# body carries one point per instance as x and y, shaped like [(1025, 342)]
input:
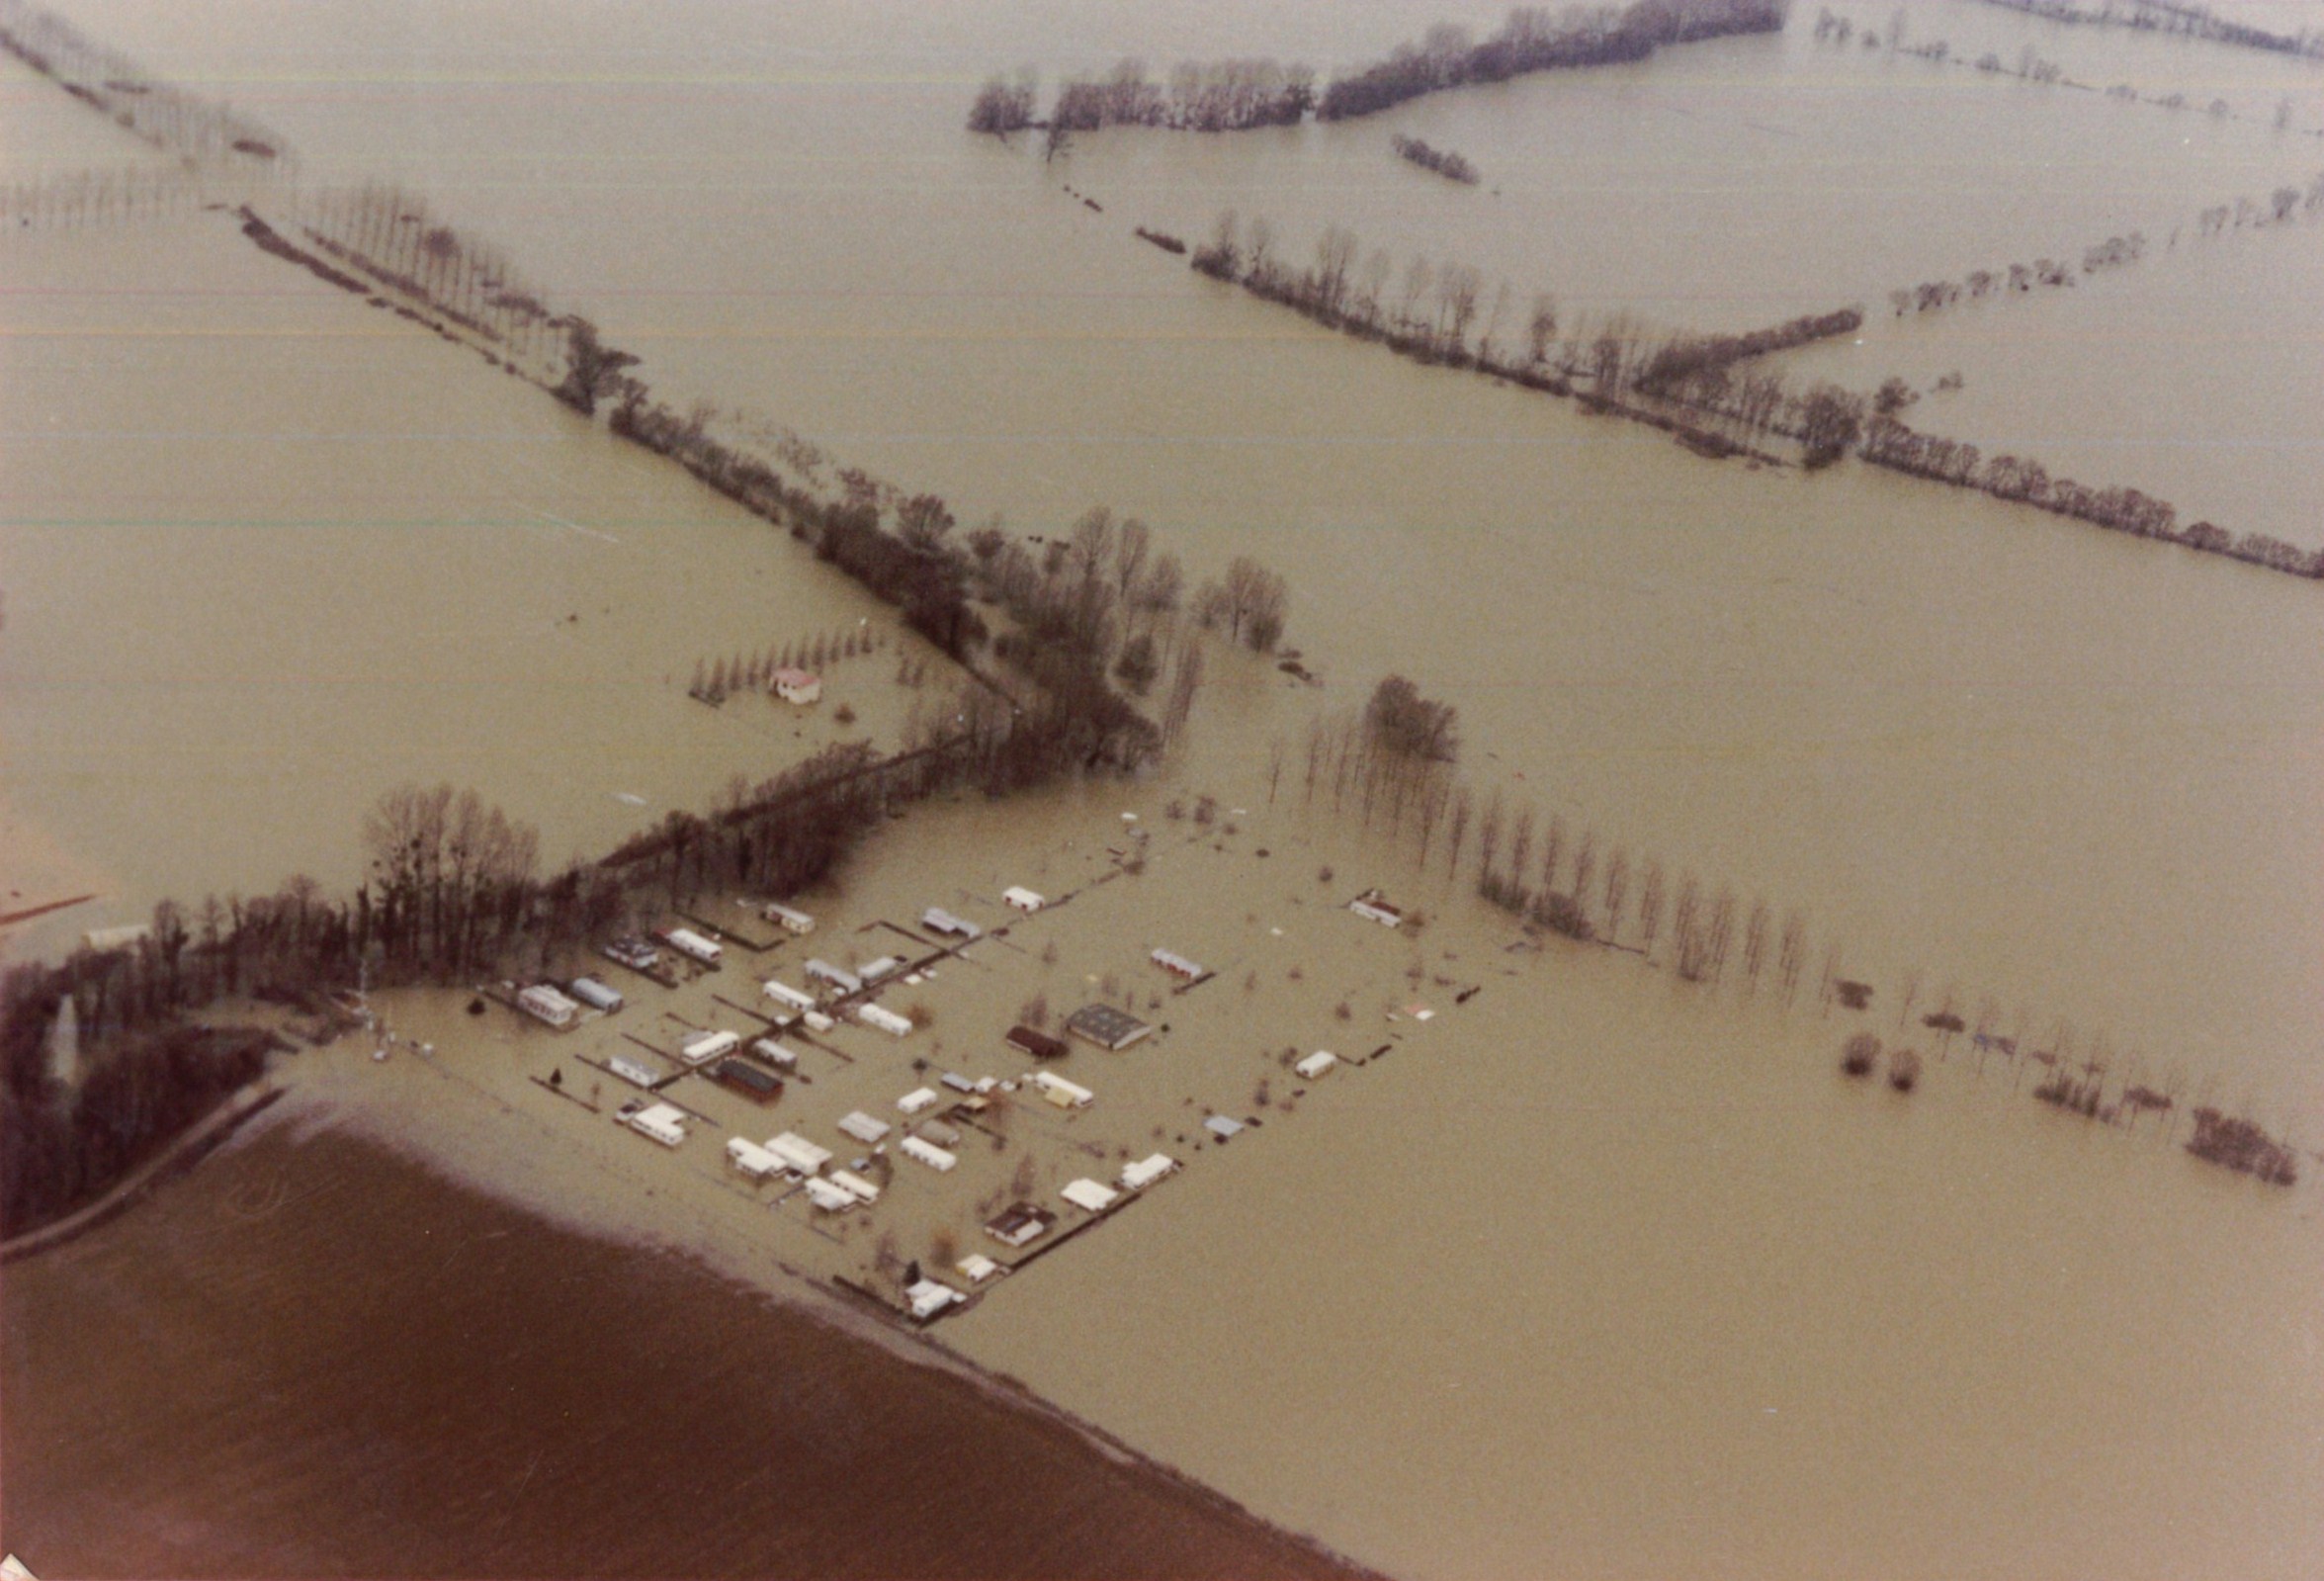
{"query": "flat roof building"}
[(927, 1153), (741, 1076), (864, 1128), (1089, 1195), (828, 1198), (856, 1186), (1316, 1064), (936, 920), (663, 1122), (798, 1153), (1037, 1045), (751, 1159), (1106, 1026), (927, 1299), (1146, 1171), (1220, 1126), (1020, 1225), (1019, 897), (545, 1004)]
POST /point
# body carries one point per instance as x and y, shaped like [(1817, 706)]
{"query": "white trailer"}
[(663, 1122), (751, 1159), (703, 1047), (884, 1018), (927, 1153), (782, 993), (689, 944), (798, 1153)]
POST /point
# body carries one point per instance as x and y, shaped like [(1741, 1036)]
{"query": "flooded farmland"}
[(1595, 1272)]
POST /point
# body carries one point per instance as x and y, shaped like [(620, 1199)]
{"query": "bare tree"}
[(1650, 906), (1617, 892), (1755, 944)]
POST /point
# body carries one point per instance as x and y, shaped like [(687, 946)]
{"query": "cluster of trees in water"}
[(2171, 16), (206, 135), (83, 198), (1443, 161), (716, 679), (1532, 39), (1200, 96)]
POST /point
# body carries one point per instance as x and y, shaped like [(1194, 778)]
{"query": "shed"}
[(690, 944), (596, 995), (1020, 1225), (1021, 899), (1220, 1126), (1039, 1045), (828, 1197), (751, 1159), (545, 1004), (798, 686), (754, 1083), (798, 1153), (927, 1153), (1106, 1026), (886, 1019), (856, 1186), (864, 1128), (817, 1020), (663, 1122), (1137, 1176), (927, 1299), (885, 966), (774, 1053), (1176, 964), (919, 1098), (793, 919), (1316, 1064), (847, 982), (976, 1268), (630, 1071), (1064, 1094), (936, 920), (1088, 1194), (704, 1047), (782, 993)]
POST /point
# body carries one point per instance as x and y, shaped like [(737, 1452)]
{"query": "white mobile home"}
[(630, 1071), (856, 1186), (1176, 964), (774, 1053), (703, 1047), (798, 1153), (793, 919), (927, 1153), (864, 1128), (1088, 1194), (1064, 1094), (817, 1020), (885, 966), (1021, 899), (1372, 904), (547, 1004), (829, 1197), (919, 1098), (838, 977), (884, 1019), (689, 944), (751, 1159), (662, 1122), (928, 1298), (782, 993), (596, 995), (1316, 1064), (799, 687), (936, 920), (976, 1268), (1142, 1174)]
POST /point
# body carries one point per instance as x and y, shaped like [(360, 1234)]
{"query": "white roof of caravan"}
[(1049, 1081), (691, 939), (774, 1051), (928, 1298), (976, 1268), (1316, 1064), (1088, 1194), (863, 1128), (798, 1152), (829, 973), (855, 1186), (750, 1157), (1148, 1169), (776, 988), (702, 1045), (1222, 1126), (598, 993), (629, 1070), (1018, 895), (919, 1098), (830, 1198), (661, 1114), (886, 1019), (927, 1153), (550, 995)]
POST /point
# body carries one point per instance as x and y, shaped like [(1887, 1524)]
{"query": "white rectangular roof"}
[(863, 1128), (1088, 1194), (855, 1186), (830, 1198), (798, 1152), (1056, 1084), (707, 1045), (976, 1268), (799, 999), (1022, 898), (1147, 1171), (1316, 1064), (919, 1098), (886, 1019), (928, 1298), (751, 1159), (927, 1153), (629, 1070), (775, 1053)]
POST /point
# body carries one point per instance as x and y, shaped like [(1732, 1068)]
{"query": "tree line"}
[(2175, 16), (1443, 161), (1200, 96), (205, 134), (1532, 39)]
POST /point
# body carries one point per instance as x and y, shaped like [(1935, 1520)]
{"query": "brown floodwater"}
[(315, 1358)]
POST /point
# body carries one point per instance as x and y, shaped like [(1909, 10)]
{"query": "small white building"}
[(1222, 1126), (782, 993), (817, 1020), (1089, 1195), (884, 1018), (885, 966), (919, 1098), (976, 1268), (798, 1153), (1142, 1174), (703, 1047), (793, 921), (927, 1299), (774, 1053), (751, 1159), (630, 1071), (1064, 1094), (864, 1128), (838, 977), (545, 1004), (1372, 904), (828, 1197), (856, 1186), (1316, 1064), (927, 1153), (1021, 899), (1176, 964), (936, 920), (692, 945), (663, 1122), (596, 995), (799, 687)]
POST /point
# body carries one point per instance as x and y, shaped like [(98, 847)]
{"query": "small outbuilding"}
[(1106, 1026), (1019, 897), (596, 995), (665, 1123), (976, 1268), (1144, 1173), (799, 687), (1221, 1127), (1037, 1045), (1316, 1064), (1021, 1225), (1089, 1194), (927, 1299), (936, 920)]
